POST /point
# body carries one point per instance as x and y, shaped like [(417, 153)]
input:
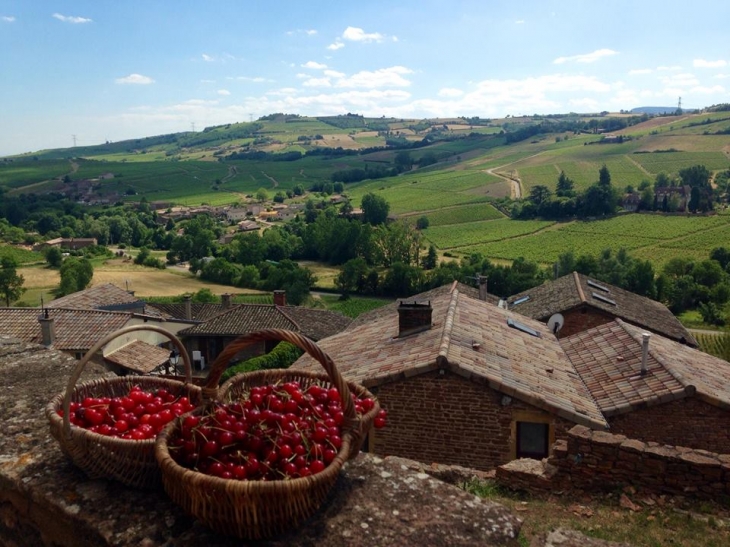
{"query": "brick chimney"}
[(483, 288), (48, 329), (187, 300), (413, 317), (645, 337), (280, 298), (226, 300)]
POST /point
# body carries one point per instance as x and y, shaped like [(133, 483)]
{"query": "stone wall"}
[(687, 422), (596, 460), (452, 420)]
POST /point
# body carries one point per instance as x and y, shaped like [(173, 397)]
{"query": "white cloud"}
[(585, 104), (207, 81), (586, 58), (254, 79), (702, 63), (721, 76), (384, 77), (317, 82), (355, 34), (670, 68), (334, 74), (314, 65), (8, 18), (135, 79), (224, 92), (207, 58), (640, 71), (450, 92), (703, 90), (71, 19), (335, 46), (683, 79), (308, 32), (520, 22)]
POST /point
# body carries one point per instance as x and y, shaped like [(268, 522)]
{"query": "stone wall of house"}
[(583, 318), (452, 420), (687, 422), (597, 460)]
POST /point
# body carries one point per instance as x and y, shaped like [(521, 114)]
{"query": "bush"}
[(282, 356)]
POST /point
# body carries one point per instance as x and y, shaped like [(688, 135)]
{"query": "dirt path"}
[(232, 172), (274, 182), (515, 183), (641, 167)]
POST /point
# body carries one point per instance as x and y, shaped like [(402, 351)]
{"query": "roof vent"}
[(520, 300), (524, 328), (597, 286), (603, 298), (645, 337), (413, 317)]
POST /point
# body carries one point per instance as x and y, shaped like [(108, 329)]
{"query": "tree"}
[(604, 177), (539, 194), (353, 275), (431, 259), (375, 209), (53, 256), (76, 274), (565, 186), (262, 195), (403, 161), (11, 282), (422, 223)]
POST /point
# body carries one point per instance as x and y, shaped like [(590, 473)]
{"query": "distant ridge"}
[(654, 110)]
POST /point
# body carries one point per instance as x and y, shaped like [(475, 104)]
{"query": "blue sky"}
[(123, 69)]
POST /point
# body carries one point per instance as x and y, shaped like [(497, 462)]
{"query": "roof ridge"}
[(581, 295), (448, 327), (289, 317)]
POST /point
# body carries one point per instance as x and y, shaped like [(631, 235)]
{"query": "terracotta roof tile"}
[(107, 297), (139, 356), (201, 311), (76, 330), (572, 290), (608, 358), (246, 318), (470, 338)]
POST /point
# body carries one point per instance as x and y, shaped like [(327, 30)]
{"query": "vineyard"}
[(21, 256), (472, 233), (714, 344), (463, 214)]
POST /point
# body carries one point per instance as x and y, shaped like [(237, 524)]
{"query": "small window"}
[(524, 328), (532, 440), (520, 300), (603, 299), (598, 286)]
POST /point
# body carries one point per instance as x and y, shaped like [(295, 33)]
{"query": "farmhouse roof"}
[(201, 311), (106, 297), (574, 290), (608, 358), (139, 357), (75, 330), (473, 339), (389, 309), (246, 318)]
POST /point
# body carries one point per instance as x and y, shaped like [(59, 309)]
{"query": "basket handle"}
[(76, 374), (210, 390)]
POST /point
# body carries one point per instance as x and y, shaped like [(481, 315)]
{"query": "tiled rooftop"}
[(608, 357), (139, 357), (472, 338), (200, 311), (573, 290), (246, 318), (94, 297), (76, 330)]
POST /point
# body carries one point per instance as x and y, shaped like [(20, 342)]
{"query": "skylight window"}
[(520, 300), (524, 328), (598, 286), (603, 299)]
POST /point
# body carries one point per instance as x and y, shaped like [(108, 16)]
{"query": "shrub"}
[(282, 356)]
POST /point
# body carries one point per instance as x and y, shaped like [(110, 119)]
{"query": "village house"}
[(676, 197), (71, 243), (631, 202), (464, 381), (469, 383), (207, 339), (585, 303)]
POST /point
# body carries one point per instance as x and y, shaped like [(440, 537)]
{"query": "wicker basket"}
[(262, 509), (128, 461)]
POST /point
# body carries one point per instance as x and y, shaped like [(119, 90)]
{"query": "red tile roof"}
[(574, 290), (94, 298), (471, 338), (608, 358), (76, 330), (139, 357)]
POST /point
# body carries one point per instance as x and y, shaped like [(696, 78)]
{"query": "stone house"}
[(681, 194), (73, 243), (464, 381), (651, 388), (585, 303)]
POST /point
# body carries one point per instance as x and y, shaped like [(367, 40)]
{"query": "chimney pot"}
[(187, 300), (48, 329), (280, 298), (645, 337), (226, 300), (483, 288), (413, 317)]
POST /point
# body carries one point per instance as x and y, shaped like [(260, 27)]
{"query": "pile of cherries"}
[(274, 432), (139, 415)]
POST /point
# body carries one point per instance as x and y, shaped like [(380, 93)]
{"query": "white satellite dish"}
[(555, 323)]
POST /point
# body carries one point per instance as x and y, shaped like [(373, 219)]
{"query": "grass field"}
[(21, 256)]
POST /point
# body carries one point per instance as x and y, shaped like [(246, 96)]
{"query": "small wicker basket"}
[(127, 461), (262, 509)]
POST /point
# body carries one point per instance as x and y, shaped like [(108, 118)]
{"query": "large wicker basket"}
[(262, 509), (128, 461)]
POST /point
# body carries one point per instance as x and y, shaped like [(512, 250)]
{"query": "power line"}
[(74, 138)]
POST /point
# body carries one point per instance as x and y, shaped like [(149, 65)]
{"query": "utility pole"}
[(192, 125), (74, 138)]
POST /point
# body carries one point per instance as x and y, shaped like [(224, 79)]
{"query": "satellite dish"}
[(555, 323)]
